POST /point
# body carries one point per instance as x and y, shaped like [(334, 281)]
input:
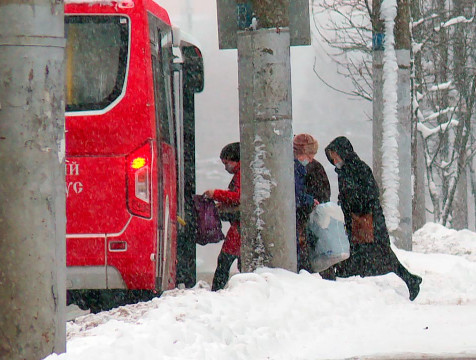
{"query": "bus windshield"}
[(96, 60)]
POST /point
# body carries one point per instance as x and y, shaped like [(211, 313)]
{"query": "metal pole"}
[(32, 190), (268, 227)]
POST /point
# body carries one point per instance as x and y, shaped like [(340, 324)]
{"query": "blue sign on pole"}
[(378, 41)]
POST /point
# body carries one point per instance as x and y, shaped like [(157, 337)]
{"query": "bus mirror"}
[(193, 66)]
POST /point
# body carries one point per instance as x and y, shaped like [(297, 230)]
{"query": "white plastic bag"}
[(326, 223)]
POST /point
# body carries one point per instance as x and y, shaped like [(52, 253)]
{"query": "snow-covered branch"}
[(457, 20), (436, 115), (438, 87), (426, 132), (453, 21)]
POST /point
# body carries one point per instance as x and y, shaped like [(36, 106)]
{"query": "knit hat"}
[(305, 144), (231, 152)]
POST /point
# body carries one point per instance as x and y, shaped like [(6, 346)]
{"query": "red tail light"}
[(139, 165)]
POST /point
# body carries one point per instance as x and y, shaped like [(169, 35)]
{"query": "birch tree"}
[(443, 41), (444, 71)]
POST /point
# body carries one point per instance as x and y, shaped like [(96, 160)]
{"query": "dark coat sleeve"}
[(303, 199), (317, 182)]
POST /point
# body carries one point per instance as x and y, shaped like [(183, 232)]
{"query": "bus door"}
[(161, 52), (192, 82)]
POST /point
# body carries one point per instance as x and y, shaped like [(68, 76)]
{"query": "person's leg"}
[(222, 271), (413, 281), (329, 274), (303, 251)]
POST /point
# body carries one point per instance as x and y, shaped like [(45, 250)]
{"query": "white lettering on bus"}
[(72, 168), (77, 187)]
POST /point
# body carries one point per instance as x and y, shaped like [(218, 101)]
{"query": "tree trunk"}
[(462, 42), (418, 160), (403, 235)]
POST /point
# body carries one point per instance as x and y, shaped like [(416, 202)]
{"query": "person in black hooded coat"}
[(359, 194)]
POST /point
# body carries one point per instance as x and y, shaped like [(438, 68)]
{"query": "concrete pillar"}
[(268, 227), (32, 190)]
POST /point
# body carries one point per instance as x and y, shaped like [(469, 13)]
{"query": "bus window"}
[(161, 49), (165, 58), (96, 60)]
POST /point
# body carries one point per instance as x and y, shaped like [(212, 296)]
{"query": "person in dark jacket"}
[(230, 251), (305, 148), (359, 194), (316, 185), (304, 206)]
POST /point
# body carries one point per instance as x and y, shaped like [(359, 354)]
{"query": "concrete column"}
[(268, 227), (32, 190)]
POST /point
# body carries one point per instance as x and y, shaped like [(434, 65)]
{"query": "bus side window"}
[(161, 63), (165, 61)]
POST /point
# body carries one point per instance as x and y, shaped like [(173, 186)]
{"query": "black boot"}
[(413, 281), (414, 286), (328, 274)]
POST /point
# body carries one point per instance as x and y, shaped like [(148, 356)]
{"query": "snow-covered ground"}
[(276, 314)]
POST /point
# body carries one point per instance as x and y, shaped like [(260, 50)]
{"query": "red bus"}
[(130, 164)]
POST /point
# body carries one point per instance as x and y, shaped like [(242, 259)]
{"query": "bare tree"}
[(346, 27), (443, 39), (443, 61)]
